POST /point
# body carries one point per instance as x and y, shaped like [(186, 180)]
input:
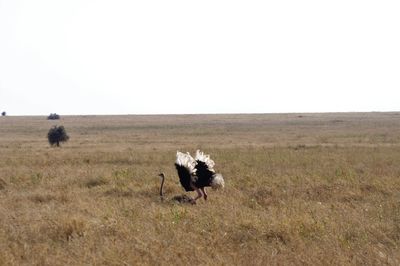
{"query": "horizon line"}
[(231, 113)]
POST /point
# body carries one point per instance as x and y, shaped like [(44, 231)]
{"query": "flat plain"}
[(301, 189)]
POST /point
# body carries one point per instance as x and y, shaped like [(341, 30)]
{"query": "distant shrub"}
[(53, 116), (56, 135), (94, 182), (2, 184), (3, 114)]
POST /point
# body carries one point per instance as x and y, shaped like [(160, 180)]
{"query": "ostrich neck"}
[(162, 185)]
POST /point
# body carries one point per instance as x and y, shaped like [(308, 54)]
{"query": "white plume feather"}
[(187, 161)]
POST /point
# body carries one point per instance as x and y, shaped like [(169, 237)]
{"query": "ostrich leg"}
[(199, 195), (203, 189)]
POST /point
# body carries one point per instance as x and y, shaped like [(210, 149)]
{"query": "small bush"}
[(2, 184), (94, 182), (68, 228), (53, 117), (56, 135), (3, 114)]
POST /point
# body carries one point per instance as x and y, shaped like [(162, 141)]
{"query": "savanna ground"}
[(317, 189)]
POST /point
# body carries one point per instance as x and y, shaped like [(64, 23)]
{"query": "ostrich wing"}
[(205, 158), (204, 169), (185, 165)]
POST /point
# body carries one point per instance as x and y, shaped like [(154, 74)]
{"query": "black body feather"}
[(203, 177)]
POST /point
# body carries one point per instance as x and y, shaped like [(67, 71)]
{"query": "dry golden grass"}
[(319, 189)]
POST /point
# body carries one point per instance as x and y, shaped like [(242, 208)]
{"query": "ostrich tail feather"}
[(218, 181)]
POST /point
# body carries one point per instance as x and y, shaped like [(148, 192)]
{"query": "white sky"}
[(133, 57)]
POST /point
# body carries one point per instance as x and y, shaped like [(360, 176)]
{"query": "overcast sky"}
[(145, 57)]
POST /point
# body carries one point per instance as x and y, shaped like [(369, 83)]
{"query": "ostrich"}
[(197, 174)]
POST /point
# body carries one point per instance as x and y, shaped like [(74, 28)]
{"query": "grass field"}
[(301, 189)]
